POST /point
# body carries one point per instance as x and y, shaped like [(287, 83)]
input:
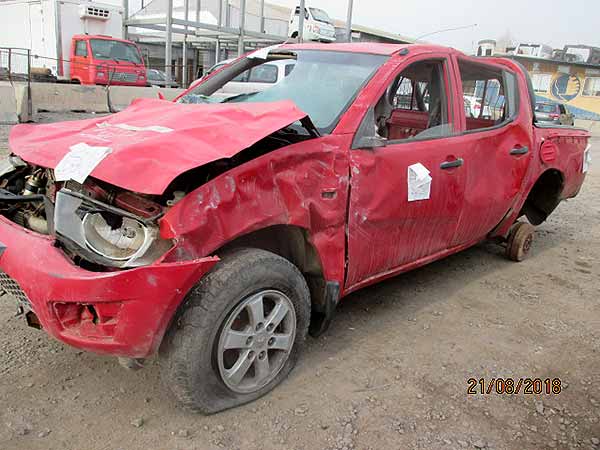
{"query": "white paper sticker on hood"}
[(419, 182), (81, 160)]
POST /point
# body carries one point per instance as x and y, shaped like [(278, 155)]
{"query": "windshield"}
[(545, 108), (322, 84), (320, 15), (156, 75), (115, 50)]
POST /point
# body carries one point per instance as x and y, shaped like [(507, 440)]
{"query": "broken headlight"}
[(104, 234)]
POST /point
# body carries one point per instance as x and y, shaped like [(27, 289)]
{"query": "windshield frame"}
[(213, 82), (116, 41)]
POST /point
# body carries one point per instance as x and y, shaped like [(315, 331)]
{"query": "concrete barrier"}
[(122, 96), (57, 97), (22, 105), (8, 104)]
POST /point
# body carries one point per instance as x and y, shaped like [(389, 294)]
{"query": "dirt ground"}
[(391, 373)]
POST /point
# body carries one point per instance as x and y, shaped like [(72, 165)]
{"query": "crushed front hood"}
[(154, 141)]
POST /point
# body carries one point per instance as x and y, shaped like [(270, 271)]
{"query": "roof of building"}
[(558, 62), (376, 32)]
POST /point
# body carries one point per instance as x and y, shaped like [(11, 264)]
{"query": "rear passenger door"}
[(497, 146)]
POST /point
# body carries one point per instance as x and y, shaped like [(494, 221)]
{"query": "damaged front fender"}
[(304, 185)]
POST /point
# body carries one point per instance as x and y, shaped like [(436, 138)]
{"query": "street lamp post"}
[(301, 13), (349, 21)]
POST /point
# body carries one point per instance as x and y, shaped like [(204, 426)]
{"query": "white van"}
[(257, 79), (317, 25)]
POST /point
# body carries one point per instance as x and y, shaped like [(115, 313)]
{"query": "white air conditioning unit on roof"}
[(93, 12)]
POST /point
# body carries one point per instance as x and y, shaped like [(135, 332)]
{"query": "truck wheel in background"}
[(238, 333), (520, 239)]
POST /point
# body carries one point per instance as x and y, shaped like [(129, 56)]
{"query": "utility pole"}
[(169, 41), (262, 16), (349, 21), (184, 78), (125, 17), (301, 21), (241, 46), (218, 42)]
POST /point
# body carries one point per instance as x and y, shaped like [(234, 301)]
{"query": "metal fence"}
[(15, 64)]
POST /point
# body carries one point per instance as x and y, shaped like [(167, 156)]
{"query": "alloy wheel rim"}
[(256, 340)]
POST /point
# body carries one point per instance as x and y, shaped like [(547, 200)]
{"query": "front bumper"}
[(122, 313)]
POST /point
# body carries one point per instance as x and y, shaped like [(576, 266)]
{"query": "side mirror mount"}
[(371, 142), (161, 96), (366, 136)]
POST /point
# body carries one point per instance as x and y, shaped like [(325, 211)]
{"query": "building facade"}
[(577, 85)]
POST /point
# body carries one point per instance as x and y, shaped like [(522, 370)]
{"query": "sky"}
[(551, 22)]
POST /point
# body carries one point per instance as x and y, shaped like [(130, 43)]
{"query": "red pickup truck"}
[(219, 230)]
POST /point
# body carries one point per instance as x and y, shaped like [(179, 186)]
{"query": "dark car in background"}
[(557, 113)]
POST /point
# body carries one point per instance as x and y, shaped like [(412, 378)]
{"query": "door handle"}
[(452, 164), (519, 150)]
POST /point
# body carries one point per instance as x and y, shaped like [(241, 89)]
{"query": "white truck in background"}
[(46, 28), (318, 26)]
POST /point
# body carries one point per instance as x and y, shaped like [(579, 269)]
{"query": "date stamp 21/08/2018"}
[(514, 386)]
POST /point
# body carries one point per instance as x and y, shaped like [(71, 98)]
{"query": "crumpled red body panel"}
[(145, 160), (303, 185)]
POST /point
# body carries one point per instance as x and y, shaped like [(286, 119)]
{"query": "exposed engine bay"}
[(98, 226), (101, 227)]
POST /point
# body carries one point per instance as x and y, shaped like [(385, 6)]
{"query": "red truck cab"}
[(104, 60), (218, 230)]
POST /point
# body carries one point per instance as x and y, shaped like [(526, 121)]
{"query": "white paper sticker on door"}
[(419, 182)]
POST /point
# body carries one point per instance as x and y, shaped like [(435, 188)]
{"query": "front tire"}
[(238, 333)]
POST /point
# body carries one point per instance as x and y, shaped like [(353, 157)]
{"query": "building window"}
[(592, 87), (541, 81)]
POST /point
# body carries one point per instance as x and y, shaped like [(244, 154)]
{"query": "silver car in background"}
[(555, 113)]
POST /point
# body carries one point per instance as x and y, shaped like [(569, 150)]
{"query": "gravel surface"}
[(391, 373)]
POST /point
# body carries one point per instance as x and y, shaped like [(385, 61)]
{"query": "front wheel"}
[(239, 332)]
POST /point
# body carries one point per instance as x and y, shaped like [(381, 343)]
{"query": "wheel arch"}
[(293, 243), (544, 196)]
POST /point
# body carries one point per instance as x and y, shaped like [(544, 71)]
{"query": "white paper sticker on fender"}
[(81, 160)]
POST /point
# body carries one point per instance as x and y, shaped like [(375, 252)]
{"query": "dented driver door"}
[(390, 227)]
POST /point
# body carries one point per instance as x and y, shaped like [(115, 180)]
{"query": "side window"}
[(289, 68), (242, 77), (489, 94), (415, 105), (81, 49), (592, 87), (297, 12), (265, 73), (541, 82)]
